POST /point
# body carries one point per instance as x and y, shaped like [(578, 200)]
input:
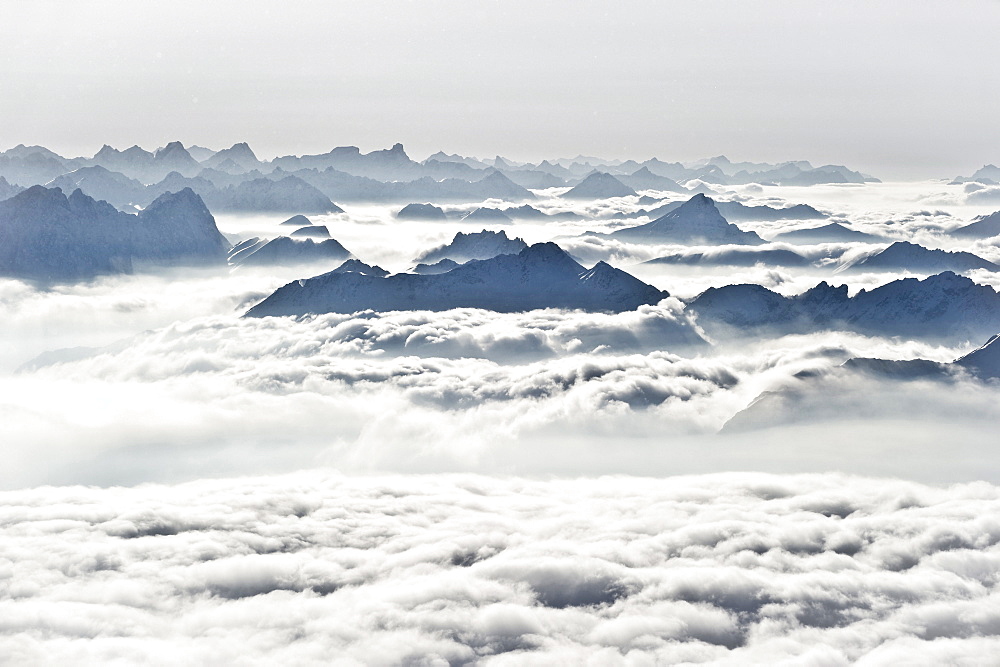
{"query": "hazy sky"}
[(898, 89)]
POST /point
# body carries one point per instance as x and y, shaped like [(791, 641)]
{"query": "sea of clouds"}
[(320, 568), (433, 487), (141, 378)]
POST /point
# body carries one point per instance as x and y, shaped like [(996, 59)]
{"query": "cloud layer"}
[(180, 387), (317, 567), (543, 391)]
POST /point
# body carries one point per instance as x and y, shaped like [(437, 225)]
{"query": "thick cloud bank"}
[(469, 390), (318, 568)]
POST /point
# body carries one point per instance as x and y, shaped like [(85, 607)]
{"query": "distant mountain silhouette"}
[(734, 210), (8, 190), (285, 251), (45, 235), (903, 255), (982, 228), (421, 212), (696, 221), (599, 186), (117, 189), (943, 307), (735, 257), (239, 155), (476, 245), (831, 233)]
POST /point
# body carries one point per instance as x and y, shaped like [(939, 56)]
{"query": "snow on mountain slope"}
[(984, 361), (985, 227), (488, 216), (285, 251), (312, 232), (297, 221)]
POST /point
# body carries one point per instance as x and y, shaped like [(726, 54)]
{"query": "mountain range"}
[(347, 174), (45, 235), (734, 210), (945, 307), (906, 256), (540, 276)]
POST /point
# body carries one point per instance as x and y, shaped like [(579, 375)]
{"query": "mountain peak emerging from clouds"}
[(540, 276), (46, 235), (696, 221), (984, 361), (599, 185), (476, 245), (903, 255), (942, 307), (983, 227)]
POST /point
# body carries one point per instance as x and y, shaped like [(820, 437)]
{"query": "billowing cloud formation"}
[(317, 567), (469, 390), (983, 195)]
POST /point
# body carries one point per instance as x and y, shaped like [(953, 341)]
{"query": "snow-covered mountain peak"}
[(984, 361)]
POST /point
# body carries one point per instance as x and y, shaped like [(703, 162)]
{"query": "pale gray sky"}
[(899, 89)]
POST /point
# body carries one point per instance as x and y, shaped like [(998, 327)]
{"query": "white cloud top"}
[(316, 567)]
